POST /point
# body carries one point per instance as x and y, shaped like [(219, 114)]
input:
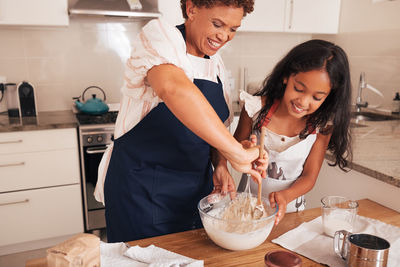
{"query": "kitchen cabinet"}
[(40, 192), (171, 11), (297, 16), (34, 13), (267, 16), (39, 214)]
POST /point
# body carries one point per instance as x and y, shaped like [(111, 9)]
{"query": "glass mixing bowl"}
[(234, 234)]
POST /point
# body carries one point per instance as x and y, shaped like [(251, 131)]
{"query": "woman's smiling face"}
[(306, 91), (208, 29)]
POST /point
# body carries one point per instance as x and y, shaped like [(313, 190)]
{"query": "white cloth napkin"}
[(308, 240), (118, 254)]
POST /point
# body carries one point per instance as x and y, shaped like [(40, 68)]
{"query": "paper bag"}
[(82, 250)]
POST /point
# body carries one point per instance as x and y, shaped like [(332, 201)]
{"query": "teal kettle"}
[(93, 106)]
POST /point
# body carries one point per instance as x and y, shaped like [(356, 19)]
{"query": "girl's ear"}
[(285, 80)]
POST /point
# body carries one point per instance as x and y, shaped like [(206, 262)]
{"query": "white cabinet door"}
[(171, 11), (312, 16), (300, 16), (39, 214), (34, 12), (268, 16)]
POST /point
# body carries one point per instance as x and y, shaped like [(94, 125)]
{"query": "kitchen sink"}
[(371, 116)]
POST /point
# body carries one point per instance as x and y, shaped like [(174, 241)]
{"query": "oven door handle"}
[(96, 150)]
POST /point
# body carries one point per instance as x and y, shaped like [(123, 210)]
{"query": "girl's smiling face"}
[(305, 92), (208, 29)]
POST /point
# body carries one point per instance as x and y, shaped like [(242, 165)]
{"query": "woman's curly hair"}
[(247, 5)]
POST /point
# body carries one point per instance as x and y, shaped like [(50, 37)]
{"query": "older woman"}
[(175, 100)]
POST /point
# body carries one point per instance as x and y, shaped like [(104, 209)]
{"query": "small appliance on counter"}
[(27, 100), (12, 99)]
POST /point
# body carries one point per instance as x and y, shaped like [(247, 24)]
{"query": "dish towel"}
[(119, 254), (309, 240)]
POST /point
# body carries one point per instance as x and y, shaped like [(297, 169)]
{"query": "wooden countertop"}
[(197, 245)]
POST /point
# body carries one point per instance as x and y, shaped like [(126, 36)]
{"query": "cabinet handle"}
[(12, 164), (15, 202), (291, 14), (11, 142)]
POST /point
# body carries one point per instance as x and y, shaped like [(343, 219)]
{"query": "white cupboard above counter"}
[(34, 13), (296, 16)]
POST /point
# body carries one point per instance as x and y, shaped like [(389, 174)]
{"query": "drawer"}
[(39, 169), (39, 214), (42, 140)]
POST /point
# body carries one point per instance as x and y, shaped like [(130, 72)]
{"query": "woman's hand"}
[(254, 166), (223, 181), (278, 198)]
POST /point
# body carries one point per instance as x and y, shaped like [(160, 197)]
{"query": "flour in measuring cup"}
[(332, 225)]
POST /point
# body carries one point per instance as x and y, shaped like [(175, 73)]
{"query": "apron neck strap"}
[(271, 111)]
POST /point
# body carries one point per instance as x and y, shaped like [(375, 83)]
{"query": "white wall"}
[(355, 185), (369, 15), (370, 34)]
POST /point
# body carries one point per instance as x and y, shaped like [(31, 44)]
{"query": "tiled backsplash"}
[(62, 62), (377, 53)]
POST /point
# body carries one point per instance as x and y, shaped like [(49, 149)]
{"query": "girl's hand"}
[(278, 198), (223, 181)]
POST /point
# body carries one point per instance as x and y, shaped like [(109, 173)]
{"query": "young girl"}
[(305, 106)]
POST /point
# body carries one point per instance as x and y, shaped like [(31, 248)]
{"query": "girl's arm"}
[(243, 130), (190, 106), (243, 135), (306, 180)]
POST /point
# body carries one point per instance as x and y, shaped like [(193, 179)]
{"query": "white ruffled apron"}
[(283, 168)]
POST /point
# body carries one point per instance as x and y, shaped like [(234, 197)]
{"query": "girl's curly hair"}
[(247, 5)]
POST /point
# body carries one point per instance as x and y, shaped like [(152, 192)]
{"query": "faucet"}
[(362, 84)]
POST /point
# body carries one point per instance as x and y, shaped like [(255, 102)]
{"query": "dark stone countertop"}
[(45, 120)]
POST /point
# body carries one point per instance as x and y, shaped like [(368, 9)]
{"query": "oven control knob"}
[(89, 139), (99, 138)]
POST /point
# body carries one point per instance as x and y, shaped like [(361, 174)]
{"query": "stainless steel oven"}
[(94, 137)]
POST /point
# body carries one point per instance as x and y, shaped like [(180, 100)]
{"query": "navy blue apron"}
[(158, 172)]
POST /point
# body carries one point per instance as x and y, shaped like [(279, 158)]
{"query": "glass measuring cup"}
[(338, 213)]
